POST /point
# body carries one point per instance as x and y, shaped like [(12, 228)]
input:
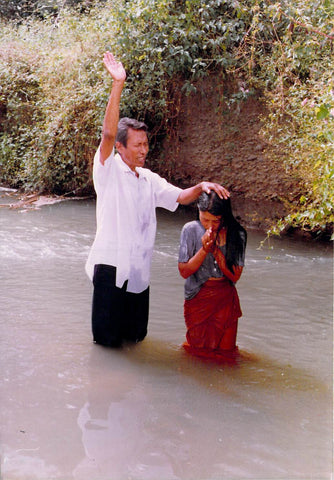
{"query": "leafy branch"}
[(308, 28)]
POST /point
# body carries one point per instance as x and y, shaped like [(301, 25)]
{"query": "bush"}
[(52, 103), (53, 92), (297, 81), (19, 10)]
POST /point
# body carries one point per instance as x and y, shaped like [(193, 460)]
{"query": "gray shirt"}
[(190, 243)]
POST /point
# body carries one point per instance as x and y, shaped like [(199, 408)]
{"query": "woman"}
[(211, 259)]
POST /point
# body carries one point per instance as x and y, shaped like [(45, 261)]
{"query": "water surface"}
[(73, 410)]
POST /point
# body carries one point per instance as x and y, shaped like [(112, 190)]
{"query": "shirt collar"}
[(126, 169)]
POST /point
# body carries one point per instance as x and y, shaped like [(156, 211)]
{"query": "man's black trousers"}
[(117, 315)]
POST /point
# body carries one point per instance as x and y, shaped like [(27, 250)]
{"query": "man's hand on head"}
[(219, 189)]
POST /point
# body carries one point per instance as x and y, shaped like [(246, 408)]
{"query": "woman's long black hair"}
[(236, 235)]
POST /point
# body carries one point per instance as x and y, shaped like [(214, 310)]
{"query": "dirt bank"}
[(222, 143)]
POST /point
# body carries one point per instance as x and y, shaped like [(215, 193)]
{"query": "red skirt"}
[(214, 308)]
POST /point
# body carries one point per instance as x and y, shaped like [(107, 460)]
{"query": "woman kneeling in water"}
[(211, 259)]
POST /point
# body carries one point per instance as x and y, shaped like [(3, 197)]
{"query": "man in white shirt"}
[(127, 197)]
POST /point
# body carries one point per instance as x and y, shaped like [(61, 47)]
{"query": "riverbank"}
[(12, 198), (223, 142), (219, 137)]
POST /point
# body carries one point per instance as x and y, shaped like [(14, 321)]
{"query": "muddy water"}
[(74, 410)]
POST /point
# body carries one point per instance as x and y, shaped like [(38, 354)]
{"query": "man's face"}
[(134, 154)]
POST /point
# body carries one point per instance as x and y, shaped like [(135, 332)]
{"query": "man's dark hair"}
[(236, 237), (123, 128)]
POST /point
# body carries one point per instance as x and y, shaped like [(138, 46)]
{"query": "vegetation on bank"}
[(53, 90)]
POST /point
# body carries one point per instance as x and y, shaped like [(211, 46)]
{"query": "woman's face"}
[(210, 221)]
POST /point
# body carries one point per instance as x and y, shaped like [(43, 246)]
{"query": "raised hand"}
[(115, 69)]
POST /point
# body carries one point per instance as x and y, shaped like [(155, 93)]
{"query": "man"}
[(127, 197)]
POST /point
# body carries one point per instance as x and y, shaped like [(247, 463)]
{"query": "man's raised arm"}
[(110, 123)]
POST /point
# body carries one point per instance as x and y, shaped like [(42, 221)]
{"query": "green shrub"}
[(298, 83), (52, 97)]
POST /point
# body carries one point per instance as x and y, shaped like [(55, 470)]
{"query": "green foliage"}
[(53, 89), (167, 46), (52, 112), (22, 9), (307, 135), (297, 80)]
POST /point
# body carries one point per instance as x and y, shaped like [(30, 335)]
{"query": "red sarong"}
[(215, 308)]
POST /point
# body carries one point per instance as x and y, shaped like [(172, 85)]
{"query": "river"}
[(74, 410)]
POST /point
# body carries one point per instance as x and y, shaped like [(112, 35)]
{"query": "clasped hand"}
[(209, 241)]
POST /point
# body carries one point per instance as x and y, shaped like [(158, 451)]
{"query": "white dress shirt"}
[(126, 219)]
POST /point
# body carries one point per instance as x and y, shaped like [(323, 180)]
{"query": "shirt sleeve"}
[(101, 172), (165, 193), (187, 244)]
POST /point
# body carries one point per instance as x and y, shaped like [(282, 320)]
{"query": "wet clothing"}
[(211, 300), (215, 308), (190, 243), (117, 315), (119, 261)]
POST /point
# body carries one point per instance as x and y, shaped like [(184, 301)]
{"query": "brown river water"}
[(73, 410)]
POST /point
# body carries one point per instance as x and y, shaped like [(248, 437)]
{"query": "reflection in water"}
[(74, 410)]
